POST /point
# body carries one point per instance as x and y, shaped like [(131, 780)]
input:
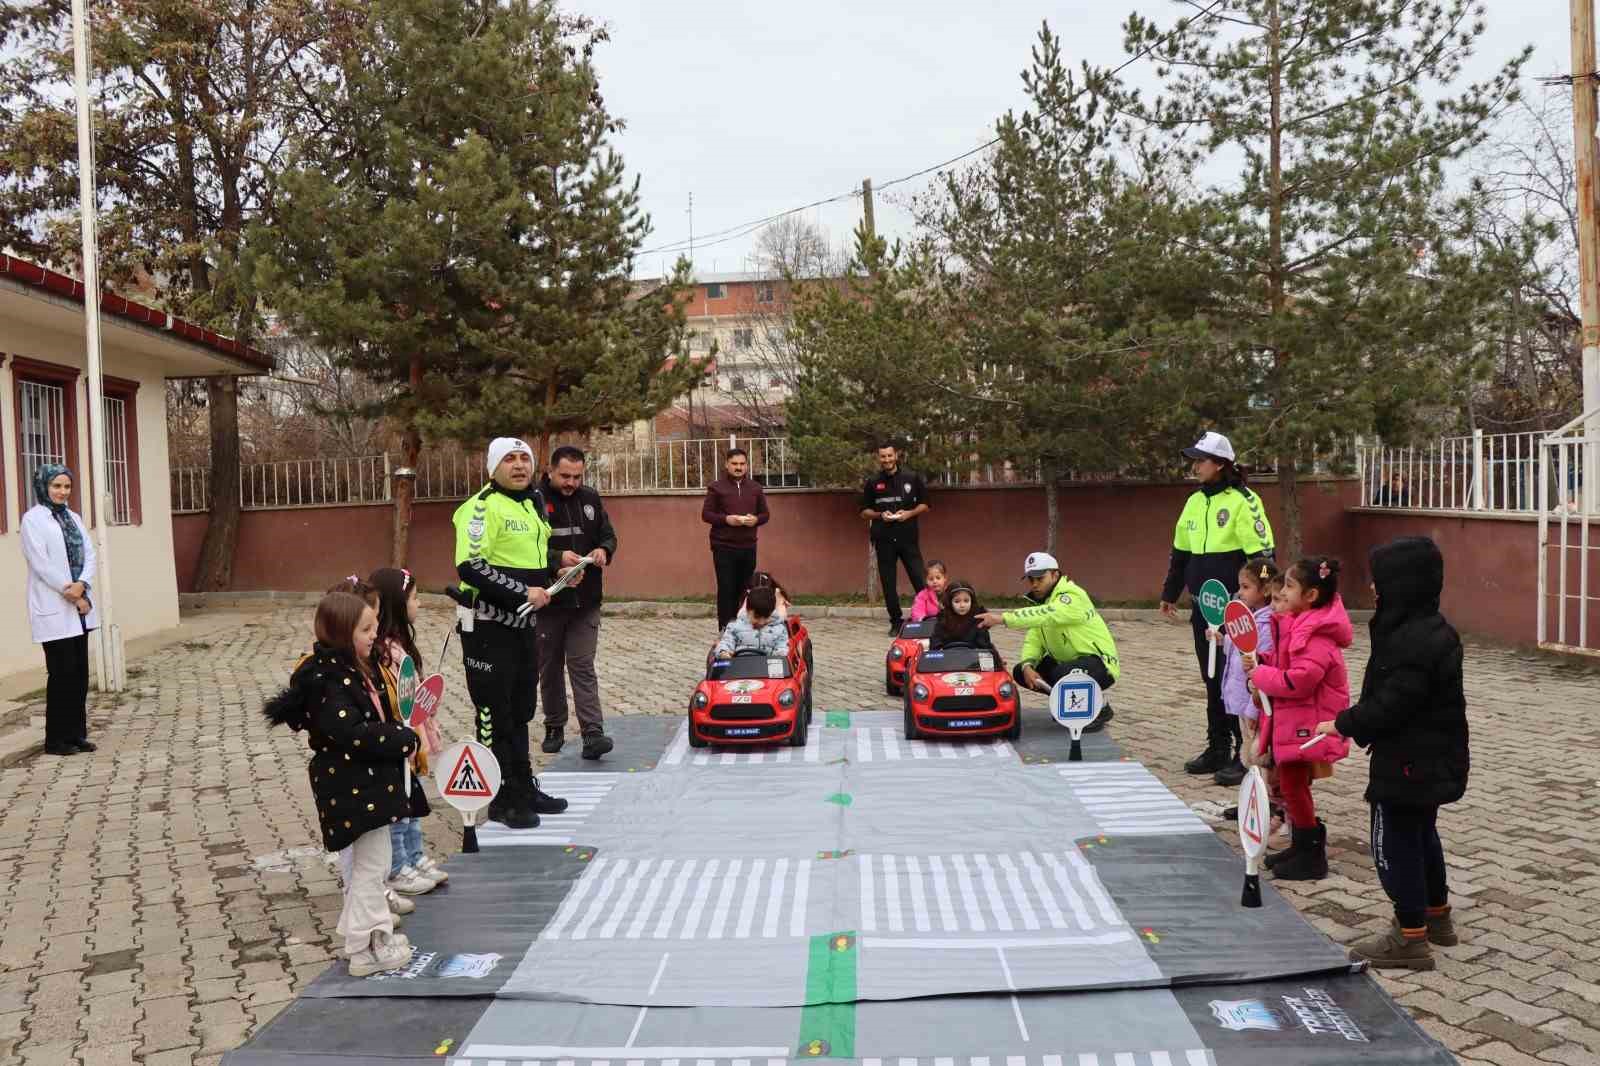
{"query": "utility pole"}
[(866, 205), (871, 229), (691, 235), (1587, 157)]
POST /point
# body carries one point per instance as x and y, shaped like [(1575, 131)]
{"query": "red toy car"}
[(959, 692), (753, 698), (912, 639)]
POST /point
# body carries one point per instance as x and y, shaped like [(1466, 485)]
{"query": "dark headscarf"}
[(1409, 575), (69, 528)]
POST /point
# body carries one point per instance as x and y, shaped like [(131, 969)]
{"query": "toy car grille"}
[(739, 712), (964, 703)]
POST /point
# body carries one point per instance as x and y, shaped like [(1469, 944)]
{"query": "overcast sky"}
[(759, 107)]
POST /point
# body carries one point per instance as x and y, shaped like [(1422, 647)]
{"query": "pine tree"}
[(1352, 280), (461, 229)]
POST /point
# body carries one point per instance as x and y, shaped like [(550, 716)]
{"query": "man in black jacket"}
[(569, 629), (892, 500)]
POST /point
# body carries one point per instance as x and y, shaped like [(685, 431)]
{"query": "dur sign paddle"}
[(1253, 829), (1075, 702), (1213, 600), (1239, 622)]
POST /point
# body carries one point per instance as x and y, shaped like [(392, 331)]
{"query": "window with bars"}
[(116, 415), (42, 427)]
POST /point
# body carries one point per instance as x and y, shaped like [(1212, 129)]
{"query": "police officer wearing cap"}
[(502, 559), (1222, 526), (1063, 631)]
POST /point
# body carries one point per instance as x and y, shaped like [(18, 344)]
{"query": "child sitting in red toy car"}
[(758, 629), (757, 580), (958, 620)]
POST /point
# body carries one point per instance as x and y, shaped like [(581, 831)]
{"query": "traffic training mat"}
[(864, 897)]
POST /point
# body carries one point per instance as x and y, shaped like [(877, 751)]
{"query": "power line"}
[(733, 233)]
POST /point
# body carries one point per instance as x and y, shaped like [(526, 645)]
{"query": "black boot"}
[(516, 811), (1105, 716), (1231, 774), (554, 738), (1310, 861), (1207, 762), (544, 803), (596, 744)]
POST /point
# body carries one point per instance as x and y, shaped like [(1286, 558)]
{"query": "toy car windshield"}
[(918, 630), (947, 659), (752, 667)]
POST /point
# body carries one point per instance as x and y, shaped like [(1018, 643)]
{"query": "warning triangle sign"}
[(1250, 823), (466, 778)]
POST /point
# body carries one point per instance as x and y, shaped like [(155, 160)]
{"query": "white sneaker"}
[(387, 952), (398, 905), (430, 869), (410, 883)]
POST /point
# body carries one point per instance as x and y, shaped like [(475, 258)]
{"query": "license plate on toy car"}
[(965, 690), (742, 732), (741, 697), (965, 723)]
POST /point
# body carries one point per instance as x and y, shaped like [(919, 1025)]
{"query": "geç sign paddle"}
[(1213, 601), (1075, 703), (1254, 824), (468, 776), (1239, 622)]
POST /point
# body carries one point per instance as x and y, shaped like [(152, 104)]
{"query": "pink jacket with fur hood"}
[(1305, 676)]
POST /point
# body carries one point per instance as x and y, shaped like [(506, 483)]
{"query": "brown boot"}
[(1441, 929), (1394, 948)]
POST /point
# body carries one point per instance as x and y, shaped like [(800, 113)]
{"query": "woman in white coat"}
[(61, 575)]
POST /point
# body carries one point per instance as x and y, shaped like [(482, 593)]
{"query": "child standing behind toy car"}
[(1305, 678), (930, 598), (760, 630), (958, 620)]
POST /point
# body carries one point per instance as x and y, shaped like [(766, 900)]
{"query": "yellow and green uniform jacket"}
[(1063, 627), (1221, 527), (502, 550)]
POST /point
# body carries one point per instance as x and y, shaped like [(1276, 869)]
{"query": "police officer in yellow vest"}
[(1222, 525), (502, 558)]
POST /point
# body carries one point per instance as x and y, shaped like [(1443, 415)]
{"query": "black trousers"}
[(1410, 860), (1052, 671), (1222, 728), (734, 567), (502, 666), (908, 553), (66, 701)]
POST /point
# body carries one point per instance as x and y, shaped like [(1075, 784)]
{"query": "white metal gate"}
[(1569, 537)]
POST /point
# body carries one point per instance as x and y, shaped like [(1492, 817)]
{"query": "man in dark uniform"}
[(892, 500), (569, 629)]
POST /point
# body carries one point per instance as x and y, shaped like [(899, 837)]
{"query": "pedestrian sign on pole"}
[(1075, 703), (1213, 602), (1254, 824), (468, 776)]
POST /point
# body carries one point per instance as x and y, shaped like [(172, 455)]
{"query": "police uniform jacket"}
[(502, 550), (578, 523), (888, 493), (1222, 526)]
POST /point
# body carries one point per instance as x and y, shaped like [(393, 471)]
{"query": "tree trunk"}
[(405, 488), (872, 571), (1289, 490), (1052, 513), (215, 572)]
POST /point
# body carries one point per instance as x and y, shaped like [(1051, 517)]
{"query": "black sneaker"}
[(1230, 775), (61, 749), (554, 738), (894, 627), (1208, 762), (85, 745), (519, 818), (596, 745), (544, 803), (1106, 714)]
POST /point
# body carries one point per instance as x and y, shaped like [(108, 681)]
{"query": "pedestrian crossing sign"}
[(467, 778), (1075, 701), (467, 775)]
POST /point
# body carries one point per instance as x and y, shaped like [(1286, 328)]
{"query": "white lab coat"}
[(52, 615)]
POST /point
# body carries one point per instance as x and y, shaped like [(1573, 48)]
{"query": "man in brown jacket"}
[(735, 507)]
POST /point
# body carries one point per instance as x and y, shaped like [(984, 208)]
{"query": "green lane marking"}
[(838, 720), (828, 1021), (841, 798)]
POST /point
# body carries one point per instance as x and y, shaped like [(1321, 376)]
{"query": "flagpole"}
[(109, 668)]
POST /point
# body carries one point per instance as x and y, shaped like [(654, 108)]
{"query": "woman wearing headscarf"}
[(61, 575)]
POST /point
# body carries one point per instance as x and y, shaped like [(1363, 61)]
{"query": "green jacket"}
[(1063, 627), (1221, 527), (502, 550)]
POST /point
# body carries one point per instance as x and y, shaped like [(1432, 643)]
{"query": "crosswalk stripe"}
[(780, 871), (702, 893), (1024, 908), (802, 885), (609, 930), (941, 893), (678, 889), (1074, 899), (968, 896), (1090, 879), (891, 895), (597, 906), (575, 898), (919, 901), (719, 916), (657, 883), (869, 902), (1046, 897), (1002, 918), (747, 909)]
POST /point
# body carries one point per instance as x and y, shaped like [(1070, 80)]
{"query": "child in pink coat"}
[(1305, 677), (930, 598)]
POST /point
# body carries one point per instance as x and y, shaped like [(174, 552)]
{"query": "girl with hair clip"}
[(1305, 677), (958, 620)]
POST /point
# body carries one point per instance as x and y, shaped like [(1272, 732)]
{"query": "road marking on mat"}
[(680, 754), (1026, 892), (883, 744), (1125, 799), (737, 899), (584, 793)]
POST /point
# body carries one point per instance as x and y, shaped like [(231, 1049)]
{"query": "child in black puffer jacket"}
[(357, 770), (1412, 716)]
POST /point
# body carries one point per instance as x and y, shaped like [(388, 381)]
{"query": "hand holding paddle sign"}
[(1240, 625), (1213, 599)]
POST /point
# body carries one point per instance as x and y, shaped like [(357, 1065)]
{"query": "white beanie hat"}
[(501, 447)]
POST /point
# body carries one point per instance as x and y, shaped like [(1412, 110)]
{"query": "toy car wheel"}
[(889, 686), (802, 721), (808, 699), (1016, 725), (912, 732), (695, 739)]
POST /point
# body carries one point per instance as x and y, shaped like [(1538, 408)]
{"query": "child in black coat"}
[(958, 619), (1412, 717)]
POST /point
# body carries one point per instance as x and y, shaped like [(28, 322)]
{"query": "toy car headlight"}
[(897, 652), (1007, 690), (786, 698), (919, 691), (700, 700)]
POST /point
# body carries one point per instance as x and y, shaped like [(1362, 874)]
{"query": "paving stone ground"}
[(162, 898)]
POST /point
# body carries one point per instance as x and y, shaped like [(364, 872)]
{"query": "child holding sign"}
[(1256, 581), (1305, 678), (411, 871)]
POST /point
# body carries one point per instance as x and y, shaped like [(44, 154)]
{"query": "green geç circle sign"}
[(1213, 599)]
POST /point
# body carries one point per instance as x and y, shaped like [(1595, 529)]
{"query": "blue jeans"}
[(405, 836)]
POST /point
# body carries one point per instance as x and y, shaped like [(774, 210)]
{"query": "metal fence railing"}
[(1569, 538), (692, 464), (1496, 472)]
